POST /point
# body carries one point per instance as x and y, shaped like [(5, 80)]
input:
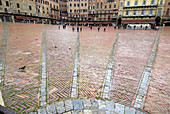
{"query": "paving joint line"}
[(142, 91), (43, 85), (107, 82), (2, 60), (75, 72)]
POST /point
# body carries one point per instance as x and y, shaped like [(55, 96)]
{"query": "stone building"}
[(77, 10), (103, 11), (29, 10), (63, 10), (141, 11), (166, 15)]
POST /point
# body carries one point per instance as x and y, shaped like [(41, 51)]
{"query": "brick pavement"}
[(158, 100), (60, 61), (1, 31), (132, 54), (21, 88), (95, 48)]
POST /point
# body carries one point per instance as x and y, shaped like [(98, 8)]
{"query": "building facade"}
[(141, 11), (166, 14), (63, 10), (29, 10)]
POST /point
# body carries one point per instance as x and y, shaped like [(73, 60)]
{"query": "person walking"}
[(91, 27), (104, 29), (80, 29), (59, 27), (73, 29), (98, 28), (77, 29)]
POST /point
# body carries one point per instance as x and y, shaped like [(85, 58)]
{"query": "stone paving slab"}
[(80, 107)]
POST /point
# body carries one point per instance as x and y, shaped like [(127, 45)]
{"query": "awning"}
[(139, 21), (25, 17)]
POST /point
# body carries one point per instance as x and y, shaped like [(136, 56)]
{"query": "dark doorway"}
[(119, 21), (157, 20)]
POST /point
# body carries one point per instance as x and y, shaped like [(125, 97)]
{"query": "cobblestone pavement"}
[(158, 98), (132, 54), (60, 61), (95, 48), (86, 106), (20, 90)]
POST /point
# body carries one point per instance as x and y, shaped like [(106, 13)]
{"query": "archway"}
[(157, 20)]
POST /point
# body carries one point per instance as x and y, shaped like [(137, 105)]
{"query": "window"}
[(0, 2), (127, 13), (74, 5), (30, 8), (168, 3), (136, 3), (42, 1), (150, 12), (82, 4), (142, 12), (101, 5), (85, 4), (7, 4), (6, 11), (17, 5), (152, 2), (70, 5), (159, 12), (105, 6), (144, 3), (93, 7), (74, 11), (89, 7), (128, 3), (70, 10), (161, 1), (110, 6), (167, 12), (121, 4), (78, 5), (134, 13), (120, 13), (114, 6)]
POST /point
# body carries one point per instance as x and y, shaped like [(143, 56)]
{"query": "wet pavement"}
[(21, 89)]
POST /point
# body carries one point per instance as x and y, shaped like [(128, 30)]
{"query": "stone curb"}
[(107, 83), (86, 106), (145, 75), (2, 59), (75, 72), (43, 85)]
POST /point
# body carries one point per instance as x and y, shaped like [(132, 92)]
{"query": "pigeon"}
[(55, 46), (69, 48), (22, 68), (36, 39)]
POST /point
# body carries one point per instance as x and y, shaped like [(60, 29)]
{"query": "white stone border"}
[(107, 83), (43, 86), (75, 72), (2, 59), (145, 75)]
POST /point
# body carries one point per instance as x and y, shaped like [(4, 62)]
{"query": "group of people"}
[(78, 28)]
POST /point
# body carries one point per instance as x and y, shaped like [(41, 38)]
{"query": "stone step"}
[(86, 106)]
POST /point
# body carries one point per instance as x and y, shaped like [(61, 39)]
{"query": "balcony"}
[(129, 7), (139, 16)]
